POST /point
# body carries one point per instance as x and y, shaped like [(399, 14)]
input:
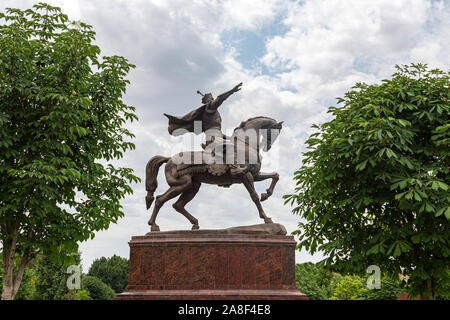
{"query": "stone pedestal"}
[(207, 264)]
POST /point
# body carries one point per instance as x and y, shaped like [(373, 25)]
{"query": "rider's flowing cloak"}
[(186, 122)]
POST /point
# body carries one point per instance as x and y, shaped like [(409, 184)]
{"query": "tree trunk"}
[(7, 293), (430, 295), (9, 250), (8, 262), (20, 271), (11, 284)]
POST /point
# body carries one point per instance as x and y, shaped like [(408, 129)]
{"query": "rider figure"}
[(209, 116)]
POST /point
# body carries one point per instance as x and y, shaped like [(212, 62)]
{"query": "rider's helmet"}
[(206, 98)]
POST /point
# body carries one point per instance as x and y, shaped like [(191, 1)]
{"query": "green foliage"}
[(321, 284), (2, 275), (96, 288), (51, 278), (27, 289), (82, 295), (373, 186), (349, 288), (61, 112), (112, 271), (444, 293), (77, 295), (313, 280), (389, 288), (336, 278)]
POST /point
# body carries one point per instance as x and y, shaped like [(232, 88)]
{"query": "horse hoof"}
[(264, 196), (268, 220), (154, 228), (195, 227)]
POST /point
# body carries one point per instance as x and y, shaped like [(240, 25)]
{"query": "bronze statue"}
[(224, 161), (207, 114)]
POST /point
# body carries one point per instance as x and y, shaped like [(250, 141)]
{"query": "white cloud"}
[(246, 14)]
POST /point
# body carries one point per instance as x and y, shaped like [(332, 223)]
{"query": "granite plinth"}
[(212, 265)]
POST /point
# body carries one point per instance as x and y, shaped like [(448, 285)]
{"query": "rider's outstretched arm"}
[(222, 97)]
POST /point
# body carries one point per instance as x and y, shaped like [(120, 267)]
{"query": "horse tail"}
[(151, 177)]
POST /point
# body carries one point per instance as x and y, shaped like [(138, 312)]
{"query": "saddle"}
[(217, 159), (199, 162)]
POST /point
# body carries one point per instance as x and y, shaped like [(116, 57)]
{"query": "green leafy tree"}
[(112, 271), (98, 290), (349, 288), (51, 277), (335, 279), (61, 112), (444, 294), (373, 187), (313, 280), (389, 288)]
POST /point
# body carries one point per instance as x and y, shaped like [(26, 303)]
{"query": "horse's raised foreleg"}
[(260, 176), (185, 197), (249, 185)]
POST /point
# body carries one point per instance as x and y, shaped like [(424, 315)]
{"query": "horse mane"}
[(244, 123)]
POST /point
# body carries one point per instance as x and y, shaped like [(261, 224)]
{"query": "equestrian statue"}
[(224, 160)]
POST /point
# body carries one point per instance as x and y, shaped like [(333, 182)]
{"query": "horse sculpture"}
[(185, 179)]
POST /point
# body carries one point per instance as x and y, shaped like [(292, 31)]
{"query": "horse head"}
[(255, 128)]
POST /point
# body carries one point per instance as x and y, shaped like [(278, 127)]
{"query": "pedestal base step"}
[(212, 295)]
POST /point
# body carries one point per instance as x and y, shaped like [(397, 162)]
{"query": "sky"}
[(294, 59)]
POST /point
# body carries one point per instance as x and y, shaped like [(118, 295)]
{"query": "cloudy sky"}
[(293, 57)]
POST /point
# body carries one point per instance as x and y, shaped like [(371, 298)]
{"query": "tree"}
[(96, 288), (313, 280), (373, 186), (61, 122), (389, 288), (349, 288), (112, 271), (51, 278), (27, 286), (321, 284)]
